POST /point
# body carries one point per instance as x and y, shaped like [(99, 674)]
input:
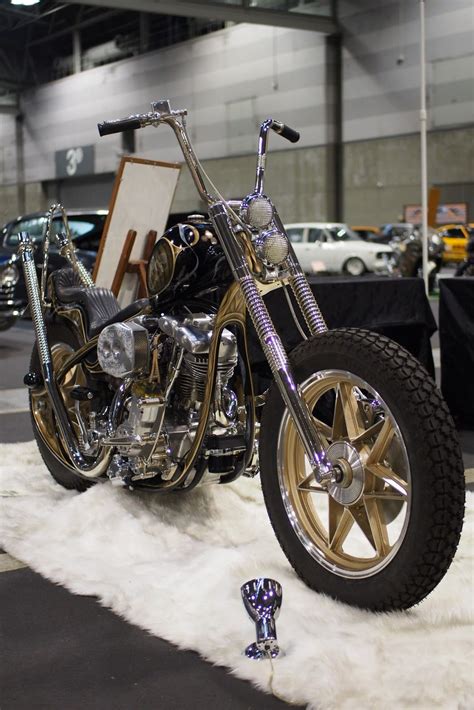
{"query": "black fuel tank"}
[(187, 259)]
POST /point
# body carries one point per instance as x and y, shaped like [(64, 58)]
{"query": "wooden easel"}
[(134, 266)]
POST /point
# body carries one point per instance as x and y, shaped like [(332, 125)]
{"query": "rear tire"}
[(42, 417), (393, 536)]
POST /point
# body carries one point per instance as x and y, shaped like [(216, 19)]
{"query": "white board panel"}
[(141, 200)]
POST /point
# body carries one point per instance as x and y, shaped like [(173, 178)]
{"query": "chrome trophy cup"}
[(262, 600)]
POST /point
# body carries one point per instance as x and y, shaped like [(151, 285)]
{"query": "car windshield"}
[(295, 234), (455, 232), (86, 230), (344, 234)]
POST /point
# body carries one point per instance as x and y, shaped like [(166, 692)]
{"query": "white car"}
[(333, 247)]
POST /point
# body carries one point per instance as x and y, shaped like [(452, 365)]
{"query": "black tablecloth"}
[(394, 307), (456, 335)]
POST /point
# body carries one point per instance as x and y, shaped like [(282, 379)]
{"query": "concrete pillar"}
[(144, 22), (334, 164), (76, 52), (20, 164)]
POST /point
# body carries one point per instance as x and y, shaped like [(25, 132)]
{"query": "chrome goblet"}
[(262, 600)]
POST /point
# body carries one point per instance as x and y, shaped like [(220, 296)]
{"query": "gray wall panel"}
[(232, 79)]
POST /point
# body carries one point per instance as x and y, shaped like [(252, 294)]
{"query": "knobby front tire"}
[(384, 536)]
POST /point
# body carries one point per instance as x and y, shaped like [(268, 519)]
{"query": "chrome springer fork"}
[(273, 348)]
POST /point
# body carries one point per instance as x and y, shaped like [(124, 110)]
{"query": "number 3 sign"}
[(75, 161)]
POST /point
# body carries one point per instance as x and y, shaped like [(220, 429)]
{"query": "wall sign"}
[(74, 161), (450, 212)]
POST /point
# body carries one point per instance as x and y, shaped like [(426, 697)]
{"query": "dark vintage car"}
[(86, 229)]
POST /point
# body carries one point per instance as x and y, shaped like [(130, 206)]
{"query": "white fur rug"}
[(174, 566)]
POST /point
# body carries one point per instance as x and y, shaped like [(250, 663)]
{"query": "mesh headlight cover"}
[(257, 211), (272, 247)]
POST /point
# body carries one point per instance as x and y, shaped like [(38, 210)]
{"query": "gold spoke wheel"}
[(355, 527)]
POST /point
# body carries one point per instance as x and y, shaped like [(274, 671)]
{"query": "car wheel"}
[(354, 266)]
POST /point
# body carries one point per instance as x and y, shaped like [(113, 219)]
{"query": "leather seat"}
[(99, 305)]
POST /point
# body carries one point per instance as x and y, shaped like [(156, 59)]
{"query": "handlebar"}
[(162, 113), (285, 131), (119, 125)]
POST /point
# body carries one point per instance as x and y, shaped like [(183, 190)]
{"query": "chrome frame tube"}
[(87, 469)]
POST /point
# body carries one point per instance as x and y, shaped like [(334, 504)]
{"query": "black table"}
[(395, 307), (456, 335)]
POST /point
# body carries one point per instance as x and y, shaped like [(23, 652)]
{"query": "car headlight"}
[(257, 211), (9, 275), (436, 240), (272, 247)]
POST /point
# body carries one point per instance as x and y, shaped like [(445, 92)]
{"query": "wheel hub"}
[(350, 488)]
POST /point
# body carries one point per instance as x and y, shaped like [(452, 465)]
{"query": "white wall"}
[(382, 97), (232, 79), (229, 81)]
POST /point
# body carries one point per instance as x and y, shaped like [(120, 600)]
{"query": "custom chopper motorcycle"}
[(360, 466)]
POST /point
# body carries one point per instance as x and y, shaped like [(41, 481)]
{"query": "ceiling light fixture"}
[(24, 2)]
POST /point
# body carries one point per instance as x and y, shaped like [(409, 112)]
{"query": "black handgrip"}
[(118, 126), (286, 132)]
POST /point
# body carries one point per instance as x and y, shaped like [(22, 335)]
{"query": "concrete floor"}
[(66, 652)]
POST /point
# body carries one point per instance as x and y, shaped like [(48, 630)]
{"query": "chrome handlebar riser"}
[(262, 154)]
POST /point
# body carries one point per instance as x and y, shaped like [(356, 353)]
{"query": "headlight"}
[(272, 247), (9, 275), (123, 349), (257, 211), (436, 240)]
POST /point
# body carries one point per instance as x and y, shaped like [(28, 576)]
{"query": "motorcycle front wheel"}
[(384, 536)]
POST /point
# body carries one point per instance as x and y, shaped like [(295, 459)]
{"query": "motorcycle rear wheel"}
[(62, 342), (384, 537)]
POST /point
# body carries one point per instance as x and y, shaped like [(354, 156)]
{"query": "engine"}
[(163, 367)]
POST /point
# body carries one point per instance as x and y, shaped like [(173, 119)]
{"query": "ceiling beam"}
[(220, 11)]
